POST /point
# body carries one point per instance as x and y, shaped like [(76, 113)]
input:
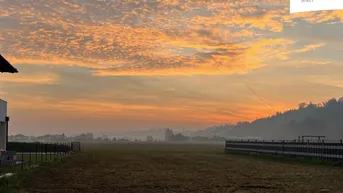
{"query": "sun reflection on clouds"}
[(182, 60), (136, 37)]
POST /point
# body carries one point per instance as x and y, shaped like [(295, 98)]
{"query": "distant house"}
[(83, 137), (5, 66), (18, 137), (149, 138), (168, 134), (49, 137)]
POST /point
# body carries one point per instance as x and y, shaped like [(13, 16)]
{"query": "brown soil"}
[(166, 168)]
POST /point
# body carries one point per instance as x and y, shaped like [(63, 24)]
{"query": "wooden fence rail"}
[(323, 150)]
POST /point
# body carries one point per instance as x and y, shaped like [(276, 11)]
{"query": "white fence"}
[(324, 150)]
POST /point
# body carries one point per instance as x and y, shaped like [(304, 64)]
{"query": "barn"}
[(6, 67)]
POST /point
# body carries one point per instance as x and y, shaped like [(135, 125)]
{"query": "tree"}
[(149, 139), (310, 118), (179, 137), (302, 105)]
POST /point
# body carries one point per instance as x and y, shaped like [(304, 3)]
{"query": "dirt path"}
[(148, 168)]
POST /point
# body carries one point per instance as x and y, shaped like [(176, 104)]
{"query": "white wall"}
[(3, 133), (3, 110), (3, 124)]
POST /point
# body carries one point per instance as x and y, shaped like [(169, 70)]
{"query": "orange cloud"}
[(309, 48), (29, 79), (145, 38), (212, 112)]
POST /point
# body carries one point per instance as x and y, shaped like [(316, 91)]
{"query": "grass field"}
[(177, 168)]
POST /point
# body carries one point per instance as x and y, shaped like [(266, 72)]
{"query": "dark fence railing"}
[(38, 147), (75, 146), (22, 155), (322, 149)]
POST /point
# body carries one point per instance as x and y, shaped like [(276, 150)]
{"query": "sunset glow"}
[(116, 65)]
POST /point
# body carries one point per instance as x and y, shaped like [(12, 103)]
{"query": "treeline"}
[(170, 136), (63, 137), (324, 119)]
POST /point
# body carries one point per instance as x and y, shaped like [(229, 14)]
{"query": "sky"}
[(120, 65)]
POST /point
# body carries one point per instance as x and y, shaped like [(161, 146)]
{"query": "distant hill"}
[(309, 119), (221, 130)]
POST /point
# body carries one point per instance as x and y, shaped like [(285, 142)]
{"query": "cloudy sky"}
[(110, 65)]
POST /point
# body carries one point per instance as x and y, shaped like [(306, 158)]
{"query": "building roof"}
[(5, 66)]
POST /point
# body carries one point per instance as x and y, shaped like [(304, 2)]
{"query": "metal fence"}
[(312, 149), (76, 146), (26, 155)]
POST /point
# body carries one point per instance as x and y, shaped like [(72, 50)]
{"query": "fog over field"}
[(307, 119), (324, 119)]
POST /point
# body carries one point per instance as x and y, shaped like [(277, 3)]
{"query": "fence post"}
[(54, 147), (225, 146), (307, 149), (63, 149), (56, 150), (283, 147), (341, 148), (50, 151), (59, 150), (46, 152), (41, 152), (273, 148), (36, 154), (22, 159), (30, 159), (322, 152), (336, 151), (296, 143)]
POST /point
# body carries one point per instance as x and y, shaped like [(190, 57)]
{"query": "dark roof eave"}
[(14, 70), (5, 66)]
